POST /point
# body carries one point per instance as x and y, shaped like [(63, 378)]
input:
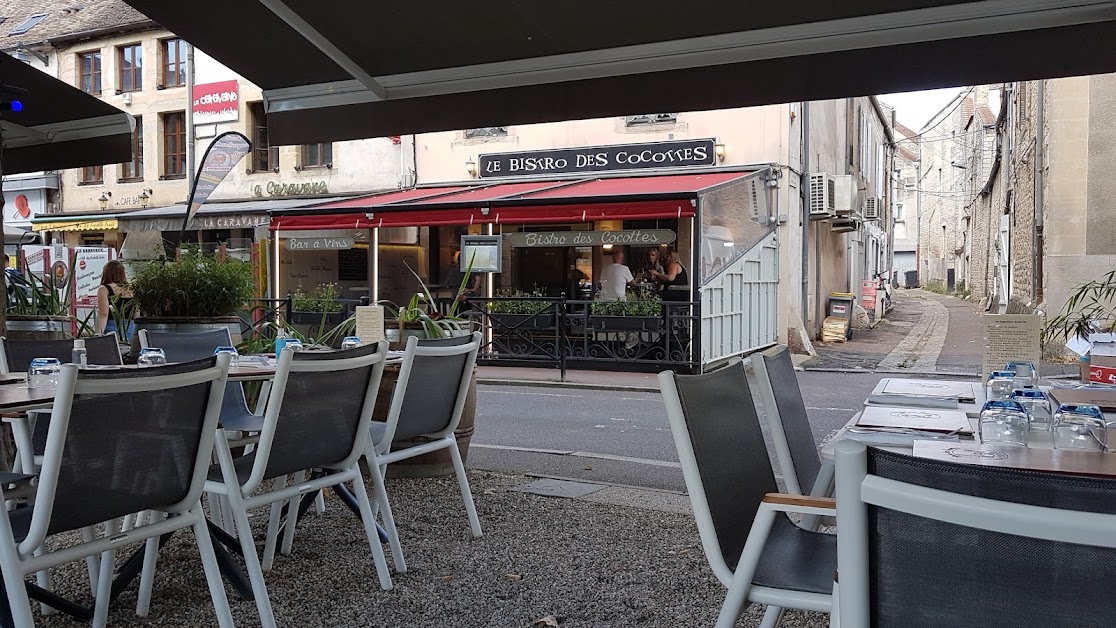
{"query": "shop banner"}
[(216, 102), (85, 279), (599, 159), (222, 155), (622, 237)]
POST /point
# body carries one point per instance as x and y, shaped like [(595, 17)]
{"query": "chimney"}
[(980, 96)]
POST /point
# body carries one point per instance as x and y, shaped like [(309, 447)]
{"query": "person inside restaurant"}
[(674, 279), (616, 278)]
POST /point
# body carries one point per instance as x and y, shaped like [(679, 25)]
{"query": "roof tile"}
[(63, 17)]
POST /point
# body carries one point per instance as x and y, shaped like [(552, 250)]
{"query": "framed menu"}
[(924, 419), (1010, 338)]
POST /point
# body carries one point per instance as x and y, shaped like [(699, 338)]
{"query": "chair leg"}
[(18, 602), (88, 534), (369, 522), (147, 576), (104, 580), (251, 559), (273, 525), (772, 616), (379, 491), (212, 572), (42, 579), (741, 585), (835, 612), (319, 503), (466, 494), (292, 516)]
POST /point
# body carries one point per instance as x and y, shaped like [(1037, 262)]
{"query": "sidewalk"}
[(602, 380)]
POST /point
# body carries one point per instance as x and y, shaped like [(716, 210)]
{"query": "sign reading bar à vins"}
[(599, 159), (624, 237), (319, 244)]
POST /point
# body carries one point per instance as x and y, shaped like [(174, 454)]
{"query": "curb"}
[(823, 369), (491, 381)]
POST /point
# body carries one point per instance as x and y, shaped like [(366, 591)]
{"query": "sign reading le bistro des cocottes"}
[(599, 159), (622, 237)]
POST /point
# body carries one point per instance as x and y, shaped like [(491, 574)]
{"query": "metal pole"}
[(1040, 158), (918, 217), (804, 193), (189, 118)]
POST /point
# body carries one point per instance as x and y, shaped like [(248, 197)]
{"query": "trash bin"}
[(839, 311), (911, 279)]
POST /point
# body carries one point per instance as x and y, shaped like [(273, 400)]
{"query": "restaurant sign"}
[(302, 188), (623, 237), (319, 244), (599, 159), (232, 221), (216, 102)]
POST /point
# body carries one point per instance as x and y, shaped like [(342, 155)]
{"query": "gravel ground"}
[(579, 563)]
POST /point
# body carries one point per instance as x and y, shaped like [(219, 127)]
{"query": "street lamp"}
[(471, 167), (719, 151), (104, 200), (143, 198)]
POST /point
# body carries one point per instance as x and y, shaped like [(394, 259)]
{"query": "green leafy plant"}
[(324, 298), (417, 309), (196, 286), (1090, 308), (516, 302), (261, 338), (39, 296), (641, 303), (935, 286)]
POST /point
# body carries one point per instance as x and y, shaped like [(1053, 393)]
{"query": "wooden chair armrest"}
[(800, 501)]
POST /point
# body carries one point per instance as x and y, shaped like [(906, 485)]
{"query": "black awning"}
[(362, 69), (59, 126)]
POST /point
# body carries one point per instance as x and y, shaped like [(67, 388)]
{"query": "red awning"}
[(577, 200)]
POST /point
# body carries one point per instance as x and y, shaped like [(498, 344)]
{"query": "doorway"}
[(543, 269)]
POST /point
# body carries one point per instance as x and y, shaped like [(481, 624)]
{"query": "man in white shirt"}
[(616, 278)]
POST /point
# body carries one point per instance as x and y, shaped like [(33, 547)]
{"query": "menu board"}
[(352, 265), (1010, 338)]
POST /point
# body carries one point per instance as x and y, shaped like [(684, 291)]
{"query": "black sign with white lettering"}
[(598, 159)]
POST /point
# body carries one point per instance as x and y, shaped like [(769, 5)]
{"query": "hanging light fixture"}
[(471, 167), (104, 200), (143, 197)]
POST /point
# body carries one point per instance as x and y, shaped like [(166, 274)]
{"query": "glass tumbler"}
[(1000, 385), (351, 342), (234, 356), (1037, 405), (43, 372), (1026, 375), (1080, 427), (1004, 422), (151, 356)]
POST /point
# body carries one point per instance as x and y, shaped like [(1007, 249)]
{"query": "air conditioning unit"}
[(846, 194), (872, 208), (844, 225), (127, 97), (823, 192)]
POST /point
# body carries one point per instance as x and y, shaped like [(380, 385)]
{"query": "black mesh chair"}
[(785, 410), (429, 397), (316, 428), (753, 547), (184, 347), (927, 543), (120, 442)]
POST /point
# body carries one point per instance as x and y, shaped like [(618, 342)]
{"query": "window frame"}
[(136, 164), (26, 25), (136, 71), (95, 89), (179, 156), (483, 132), (166, 46), (258, 114), (324, 161), (91, 175)]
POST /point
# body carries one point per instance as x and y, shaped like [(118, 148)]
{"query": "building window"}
[(174, 62), (27, 24), (129, 68), (651, 118), (317, 155), (265, 157), (174, 144), (92, 174), (487, 131), (133, 170), (89, 71), (899, 212)]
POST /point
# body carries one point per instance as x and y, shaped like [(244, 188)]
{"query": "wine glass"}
[(151, 356)]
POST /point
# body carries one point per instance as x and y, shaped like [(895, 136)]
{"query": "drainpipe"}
[(804, 193), (1040, 160), (190, 153), (918, 217)]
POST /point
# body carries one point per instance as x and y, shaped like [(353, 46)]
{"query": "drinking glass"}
[(43, 372), (1000, 385), (151, 356), (234, 357), (1080, 427), (351, 342), (1004, 422), (295, 345), (1037, 405), (1026, 375)]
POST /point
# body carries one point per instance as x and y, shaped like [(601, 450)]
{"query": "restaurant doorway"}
[(544, 270)]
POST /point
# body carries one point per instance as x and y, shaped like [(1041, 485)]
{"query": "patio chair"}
[(427, 402), (926, 543), (754, 550), (120, 442), (16, 355), (316, 428)]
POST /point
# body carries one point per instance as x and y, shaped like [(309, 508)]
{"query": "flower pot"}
[(186, 325), (397, 334), (518, 322), (30, 327), (626, 323)]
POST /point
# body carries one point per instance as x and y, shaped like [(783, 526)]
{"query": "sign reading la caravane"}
[(319, 244), (623, 237), (277, 188), (598, 159)]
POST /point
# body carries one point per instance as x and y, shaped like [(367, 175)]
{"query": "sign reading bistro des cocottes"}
[(623, 237), (599, 159)]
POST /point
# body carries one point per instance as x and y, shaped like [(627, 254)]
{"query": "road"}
[(617, 437)]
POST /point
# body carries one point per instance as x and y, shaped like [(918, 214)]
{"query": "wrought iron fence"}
[(564, 333)]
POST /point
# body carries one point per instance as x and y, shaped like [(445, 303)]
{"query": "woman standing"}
[(675, 279), (114, 300)]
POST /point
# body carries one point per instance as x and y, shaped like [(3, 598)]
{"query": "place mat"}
[(923, 419), (10, 380), (1091, 463), (963, 391), (1105, 397)]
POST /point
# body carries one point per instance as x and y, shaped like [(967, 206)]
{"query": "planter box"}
[(332, 319), (626, 323), (27, 327), (517, 322)]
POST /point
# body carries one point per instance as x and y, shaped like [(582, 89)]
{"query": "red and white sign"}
[(216, 102), (1102, 374), (868, 294)]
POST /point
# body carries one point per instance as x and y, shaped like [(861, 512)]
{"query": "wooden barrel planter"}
[(24, 327), (436, 463)]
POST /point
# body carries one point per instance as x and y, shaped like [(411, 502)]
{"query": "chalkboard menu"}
[(352, 265)]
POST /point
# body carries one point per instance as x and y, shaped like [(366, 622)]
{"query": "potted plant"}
[(38, 309), (194, 293), (516, 309), (320, 306), (643, 311)]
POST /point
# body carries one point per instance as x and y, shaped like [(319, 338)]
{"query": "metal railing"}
[(562, 333)]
